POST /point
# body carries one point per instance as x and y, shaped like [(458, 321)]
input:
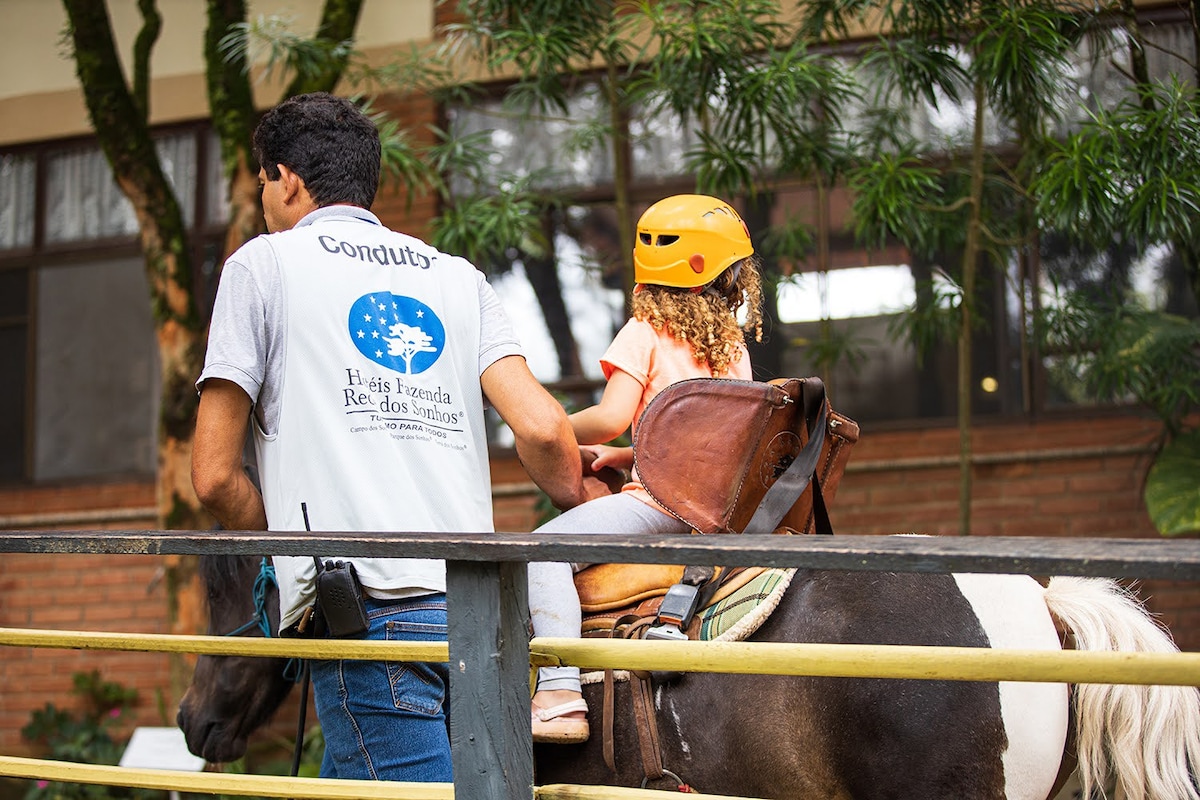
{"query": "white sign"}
[(160, 748)]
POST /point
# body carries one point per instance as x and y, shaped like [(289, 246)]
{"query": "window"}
[(78, 359), (17, 176), (839, 319), (96, 380)]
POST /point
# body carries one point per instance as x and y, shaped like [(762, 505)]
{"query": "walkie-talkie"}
[(339, 595)]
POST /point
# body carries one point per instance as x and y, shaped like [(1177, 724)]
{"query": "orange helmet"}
[(687, 240)]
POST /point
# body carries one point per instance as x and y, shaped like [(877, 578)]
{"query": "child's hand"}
[(601, 473), (606, 456)]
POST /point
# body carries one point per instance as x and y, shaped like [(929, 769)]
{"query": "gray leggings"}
[(553, 602)]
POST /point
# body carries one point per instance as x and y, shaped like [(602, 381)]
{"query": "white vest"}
[(381, 422)]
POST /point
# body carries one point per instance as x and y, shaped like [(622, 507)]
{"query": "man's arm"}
[(218, 476), (545, 442)]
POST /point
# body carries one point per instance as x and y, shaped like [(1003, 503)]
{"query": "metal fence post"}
[(491, 741)]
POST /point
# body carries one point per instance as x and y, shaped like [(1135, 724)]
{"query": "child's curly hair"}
[(707, 320)]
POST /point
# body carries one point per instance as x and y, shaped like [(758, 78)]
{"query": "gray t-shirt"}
[(246, 339)]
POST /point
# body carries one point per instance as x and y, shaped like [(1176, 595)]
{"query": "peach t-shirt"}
[(656, 359)]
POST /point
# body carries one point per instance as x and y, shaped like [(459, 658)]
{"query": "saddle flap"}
[(696, 443), (708, 449)]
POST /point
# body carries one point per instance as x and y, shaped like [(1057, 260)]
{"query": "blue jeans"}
[(388, 720)]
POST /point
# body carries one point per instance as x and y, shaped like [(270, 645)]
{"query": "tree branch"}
[(339, 19), (142, 48), (231, 102), (994, 239)]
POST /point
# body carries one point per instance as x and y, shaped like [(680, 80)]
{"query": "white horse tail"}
[(1146, 737)]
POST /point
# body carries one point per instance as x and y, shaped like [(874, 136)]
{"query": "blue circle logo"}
[(397, 332)]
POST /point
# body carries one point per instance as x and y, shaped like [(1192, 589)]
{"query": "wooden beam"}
[(483, 654), (491, 740), (227, 645), (1167, 559), (565, 791)]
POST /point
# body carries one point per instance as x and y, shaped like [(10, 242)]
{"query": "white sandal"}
[(551, 726)]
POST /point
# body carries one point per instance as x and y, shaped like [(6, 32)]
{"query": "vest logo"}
[(397, 332)]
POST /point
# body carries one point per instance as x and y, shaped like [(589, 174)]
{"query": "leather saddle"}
[(724, 456), (769, 460), (616, 596)]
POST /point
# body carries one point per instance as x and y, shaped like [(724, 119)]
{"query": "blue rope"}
[(262, 583), (294, 668)]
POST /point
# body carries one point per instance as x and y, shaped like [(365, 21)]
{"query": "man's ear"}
[(292, 183)]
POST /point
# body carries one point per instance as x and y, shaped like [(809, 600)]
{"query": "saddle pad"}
[(732, 619), (742, 612)]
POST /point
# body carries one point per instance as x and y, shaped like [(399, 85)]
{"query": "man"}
[(362, 357)]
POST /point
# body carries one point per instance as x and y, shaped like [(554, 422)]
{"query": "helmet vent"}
[(665, 239)]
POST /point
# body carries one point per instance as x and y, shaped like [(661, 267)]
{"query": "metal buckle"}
[(668, 632), (676, 611)]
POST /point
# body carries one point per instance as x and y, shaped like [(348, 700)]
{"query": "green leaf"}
[(1173, 487)]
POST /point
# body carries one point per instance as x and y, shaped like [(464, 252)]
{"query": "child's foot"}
[(559, 717)]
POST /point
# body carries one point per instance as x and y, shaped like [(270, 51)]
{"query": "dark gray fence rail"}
[(488, 601), (1168, 559)]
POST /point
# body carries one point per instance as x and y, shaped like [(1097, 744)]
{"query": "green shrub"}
[(84, 737)]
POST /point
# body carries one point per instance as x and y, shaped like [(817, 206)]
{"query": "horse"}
[(807, 737)]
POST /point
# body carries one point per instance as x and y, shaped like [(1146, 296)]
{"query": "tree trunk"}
[(766, 357), (970, 257), (231, 100), (930, 388), (543, 277), (124, 136), (1137, 55), (621, 175), (1186, 247), (127, 144), (339, 19)]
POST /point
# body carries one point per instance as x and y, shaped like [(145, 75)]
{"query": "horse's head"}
[(232, 696)]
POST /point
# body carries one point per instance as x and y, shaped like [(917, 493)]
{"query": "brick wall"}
[(59, 591), (1062, 477)]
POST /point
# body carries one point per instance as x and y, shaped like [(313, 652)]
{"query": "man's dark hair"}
[(326, 140)]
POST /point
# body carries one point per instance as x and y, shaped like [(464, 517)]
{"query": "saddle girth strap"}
[(646, 723), (708, 581), (641, 696), (608, 742)]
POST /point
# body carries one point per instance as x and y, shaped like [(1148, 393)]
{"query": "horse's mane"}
[(224, 575)]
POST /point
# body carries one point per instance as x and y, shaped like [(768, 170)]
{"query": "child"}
[(695, 267)]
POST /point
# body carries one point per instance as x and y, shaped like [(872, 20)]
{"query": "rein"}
[(265, 580)]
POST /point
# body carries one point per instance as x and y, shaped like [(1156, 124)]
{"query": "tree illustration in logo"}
[(406, 341), (397, 332)]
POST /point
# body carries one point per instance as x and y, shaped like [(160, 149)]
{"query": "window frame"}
[(205, 240)]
